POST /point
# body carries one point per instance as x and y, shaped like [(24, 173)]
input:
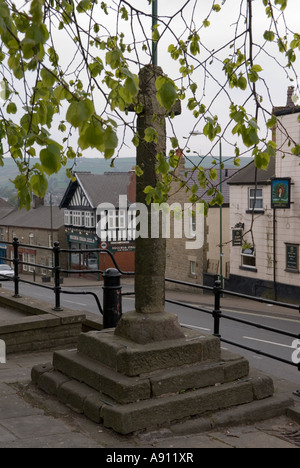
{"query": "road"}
[(266, 341)]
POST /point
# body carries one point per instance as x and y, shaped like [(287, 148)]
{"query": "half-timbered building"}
[(95, 220)]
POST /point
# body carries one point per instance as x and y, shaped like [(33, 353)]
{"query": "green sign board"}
[(292, 257)]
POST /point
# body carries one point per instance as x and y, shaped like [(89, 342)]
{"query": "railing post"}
[(217, 313), (57, 268), (112, 298), (16, 263)]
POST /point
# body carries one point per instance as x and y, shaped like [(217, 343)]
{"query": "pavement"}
[(31, 419)]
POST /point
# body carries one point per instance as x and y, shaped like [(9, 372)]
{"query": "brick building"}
[(202, 266), (40, 226)]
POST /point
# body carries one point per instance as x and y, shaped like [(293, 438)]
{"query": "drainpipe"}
[(274, 254)]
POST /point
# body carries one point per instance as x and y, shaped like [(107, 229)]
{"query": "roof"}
[(290, 107), (227, 174), (98, 188), (39, 218), (5, 208), (246, 176)]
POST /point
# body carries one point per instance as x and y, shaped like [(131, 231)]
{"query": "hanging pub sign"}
[(237, 237), (281, 193)]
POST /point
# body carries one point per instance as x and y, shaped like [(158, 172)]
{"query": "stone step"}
[(133, 359), (125, 389), (153, 412), (121, 388), (125, 419)]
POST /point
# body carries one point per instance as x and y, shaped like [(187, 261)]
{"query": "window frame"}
[(255, 198)]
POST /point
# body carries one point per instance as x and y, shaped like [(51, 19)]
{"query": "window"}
[(43, 263), (25, 259), (50, 240), (68, 218), (256, 201), (193, 268), (248, 258), (31, 259), (89, 219), (116, 219), (31, 238), (193, 224), (78, 218)]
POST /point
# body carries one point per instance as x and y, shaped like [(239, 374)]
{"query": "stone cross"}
[(150, 322)]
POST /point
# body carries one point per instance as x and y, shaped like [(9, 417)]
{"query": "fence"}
[(217, 314), (56, 271)]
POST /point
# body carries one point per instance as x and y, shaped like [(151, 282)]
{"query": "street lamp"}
[(154, 24)]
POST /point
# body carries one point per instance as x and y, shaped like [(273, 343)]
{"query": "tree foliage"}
[(69, 74)]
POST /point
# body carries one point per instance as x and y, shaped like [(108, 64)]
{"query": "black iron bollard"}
[(112, 298)]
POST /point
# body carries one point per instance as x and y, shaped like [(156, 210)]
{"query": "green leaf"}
[(24, 191), (216, 8), (39, 184), (80, 112), (166, 92), (163, 167), (113, 58), (155, 33), (150, 135), (92, 137), (272, 122), (262, 160), (51, 159), (213, 175), (136, 140), (242, 83), (269, 36), (11, 108), (48, 78), (110, 142), (174, 142), (256, 68), (84, 5)]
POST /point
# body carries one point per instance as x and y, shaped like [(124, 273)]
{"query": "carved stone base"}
[(129, 387)]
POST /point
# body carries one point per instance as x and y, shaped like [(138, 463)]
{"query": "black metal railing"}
[(56, 271), (218, 315), (215, 312)]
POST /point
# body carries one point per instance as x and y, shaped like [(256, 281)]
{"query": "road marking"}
[(76, 303), (197, 328), (283, 319), (268, 342)]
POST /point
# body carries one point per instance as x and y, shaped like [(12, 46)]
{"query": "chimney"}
[(290, 93), (181, 162), (37, 202)]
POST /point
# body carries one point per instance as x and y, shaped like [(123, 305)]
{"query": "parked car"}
[(6, 272)]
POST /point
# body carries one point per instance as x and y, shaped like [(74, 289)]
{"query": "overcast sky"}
[(223, 27)]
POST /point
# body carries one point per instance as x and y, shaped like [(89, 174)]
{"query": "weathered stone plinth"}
[(130, 387), (148, 328)]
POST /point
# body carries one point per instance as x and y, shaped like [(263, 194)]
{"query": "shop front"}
[(79, 259)]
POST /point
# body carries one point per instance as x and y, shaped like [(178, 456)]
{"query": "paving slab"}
[(31, 419), (34, 426)]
